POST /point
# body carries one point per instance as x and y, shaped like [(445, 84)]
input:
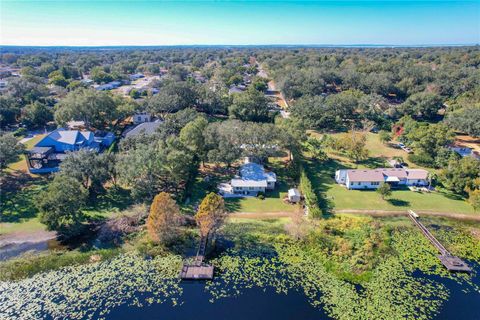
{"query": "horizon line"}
[(247, 45)]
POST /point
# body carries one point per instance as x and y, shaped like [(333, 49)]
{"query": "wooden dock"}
[(452, 263), (198, 270)]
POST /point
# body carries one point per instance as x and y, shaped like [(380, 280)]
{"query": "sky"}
[(112, 23)]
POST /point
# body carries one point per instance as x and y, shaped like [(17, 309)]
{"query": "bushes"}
[(311, 200), (27, 266), (422, 159)]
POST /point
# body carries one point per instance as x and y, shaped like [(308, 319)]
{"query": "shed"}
[(294, 195)]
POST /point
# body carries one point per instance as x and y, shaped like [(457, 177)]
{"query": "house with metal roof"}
[(146, 128), (46, 155), (252, 179), (372, 178)]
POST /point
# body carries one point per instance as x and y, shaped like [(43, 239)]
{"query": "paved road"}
[(272, 87)]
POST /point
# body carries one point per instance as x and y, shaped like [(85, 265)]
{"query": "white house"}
[(141, 117), (252, 179), (371, 179)]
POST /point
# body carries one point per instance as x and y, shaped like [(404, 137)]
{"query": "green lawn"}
[(29, 225), (19, 214), (339, 197), (21, 164), (272, 202)]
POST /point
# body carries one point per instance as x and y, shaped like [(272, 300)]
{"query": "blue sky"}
[(106, 22)]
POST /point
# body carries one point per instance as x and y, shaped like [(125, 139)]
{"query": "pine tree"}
[(164, 218), (211, 214)]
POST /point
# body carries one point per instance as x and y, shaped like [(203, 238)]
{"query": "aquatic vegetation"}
[(399, 276), (392, 291), (92, 290)]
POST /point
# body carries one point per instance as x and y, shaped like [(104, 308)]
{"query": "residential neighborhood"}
[(239, 160)]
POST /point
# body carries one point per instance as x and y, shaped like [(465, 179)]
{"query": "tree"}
[(291, 134), (9, 110), (36, 115), (60, 205), (155, 166), (27, 89), (311, 199), (99, 75), (192, 137), (474, 199), (56, 78), (210, 214), (164, 218), (173, 97), (222, 142), (89, 167), (423, 104), (385, 136), (466, 120), (315, 148), (10, 149), (250, 105), (429, 138), (384, 190), (353, 145), (460, 175), (214, 102), (96, 108)]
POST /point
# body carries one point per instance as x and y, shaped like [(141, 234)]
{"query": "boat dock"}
[(452, 263), (198, 270)]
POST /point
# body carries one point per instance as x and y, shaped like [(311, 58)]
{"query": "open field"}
[(378, 153)]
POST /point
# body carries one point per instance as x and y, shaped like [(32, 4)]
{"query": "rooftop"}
[(145, 128), (386, 174)]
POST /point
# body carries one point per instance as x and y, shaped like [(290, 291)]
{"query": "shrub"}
[(422, 159)]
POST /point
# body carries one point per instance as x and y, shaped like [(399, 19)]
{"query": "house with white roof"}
[(372, 178), (252, 179)]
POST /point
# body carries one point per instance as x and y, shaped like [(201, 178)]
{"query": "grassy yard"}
[(272, 202), (21, 164), (378, 153), (19, 214), (341, 198)]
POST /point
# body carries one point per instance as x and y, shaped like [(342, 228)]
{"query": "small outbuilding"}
[(294, 195)]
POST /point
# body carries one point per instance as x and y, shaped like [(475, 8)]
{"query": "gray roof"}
[(248, 183), (254, 171), (70, 137), (145, 128), (381, 174)]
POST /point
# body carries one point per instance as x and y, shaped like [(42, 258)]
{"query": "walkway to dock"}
[(452, 263), (198, 270)]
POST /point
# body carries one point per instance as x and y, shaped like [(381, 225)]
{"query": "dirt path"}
[(260, 215), (386, 213), (23, 236), (375, 213)]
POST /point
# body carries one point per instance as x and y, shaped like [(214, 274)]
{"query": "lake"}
[(259, 303)]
